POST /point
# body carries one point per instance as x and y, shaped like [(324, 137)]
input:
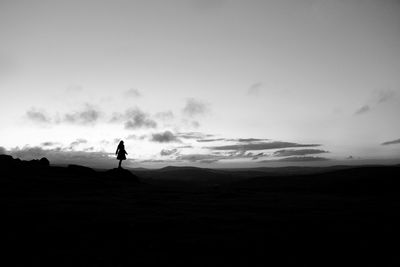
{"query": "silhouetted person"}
[(121, 153)]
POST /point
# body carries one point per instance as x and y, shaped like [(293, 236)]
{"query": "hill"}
[(76, 216)]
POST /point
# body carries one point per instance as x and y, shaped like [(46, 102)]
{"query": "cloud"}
[(248, 140), (168, 152), (393, 142), (134, 119), (385, 95), (210, 140), (140, 121), (153, 161), (362, 110), (165, 137), (89, 115), (193, 135), (216, 156), (296, 159), (29, 152), (261, 146), (255, 89), (136, 137), (165, 161), (195, 107), (299, 152), (77, 142), (379, 97), (244, 140), (133, 92), (199, 157), (255, 156), (47, 144), (37, 116)]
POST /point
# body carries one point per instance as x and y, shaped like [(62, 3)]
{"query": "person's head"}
[(121, 143)]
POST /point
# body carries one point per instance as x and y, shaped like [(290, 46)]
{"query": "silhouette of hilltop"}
[(184, 216), (21, 168), (7, 161)]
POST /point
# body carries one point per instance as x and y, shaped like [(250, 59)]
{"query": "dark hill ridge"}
[(175, 168), (7, 161), (355, 180), (11, 167), (334, 178), (76, 216)]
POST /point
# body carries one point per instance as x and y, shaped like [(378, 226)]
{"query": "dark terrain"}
[(76, 216)]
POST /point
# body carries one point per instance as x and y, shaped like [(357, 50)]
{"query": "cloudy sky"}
[(212, 83)]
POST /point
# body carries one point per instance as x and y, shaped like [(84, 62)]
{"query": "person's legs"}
[(119, 165)]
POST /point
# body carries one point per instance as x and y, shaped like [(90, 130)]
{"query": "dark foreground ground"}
[(78, 217)]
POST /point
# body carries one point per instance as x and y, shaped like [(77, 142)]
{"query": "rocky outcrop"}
[(8, 162), (22, 168)]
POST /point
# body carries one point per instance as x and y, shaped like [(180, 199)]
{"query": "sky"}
[(209, 83)]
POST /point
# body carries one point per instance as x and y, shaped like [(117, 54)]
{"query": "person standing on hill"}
[(121, 152)]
